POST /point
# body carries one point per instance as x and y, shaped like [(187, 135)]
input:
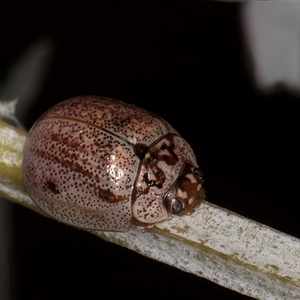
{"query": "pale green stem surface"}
[(213, 242)]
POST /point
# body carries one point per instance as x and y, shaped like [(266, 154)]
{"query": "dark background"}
[(185, 61)]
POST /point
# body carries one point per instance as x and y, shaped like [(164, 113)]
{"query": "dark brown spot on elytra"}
[(52, 187), (108, 196)]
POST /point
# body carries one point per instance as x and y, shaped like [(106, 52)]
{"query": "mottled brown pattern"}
[(187, 190), (157, 184), (52, 187), (102, 164), (108, 196)]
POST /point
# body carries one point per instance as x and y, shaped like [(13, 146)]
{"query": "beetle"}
[(102, 164)]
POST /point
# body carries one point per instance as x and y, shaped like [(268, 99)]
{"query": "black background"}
[(185, 61)]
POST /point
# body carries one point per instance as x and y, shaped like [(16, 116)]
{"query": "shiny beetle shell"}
[(102, 164)]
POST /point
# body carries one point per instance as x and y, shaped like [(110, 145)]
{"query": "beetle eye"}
[(198, 172), (176, 207)]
